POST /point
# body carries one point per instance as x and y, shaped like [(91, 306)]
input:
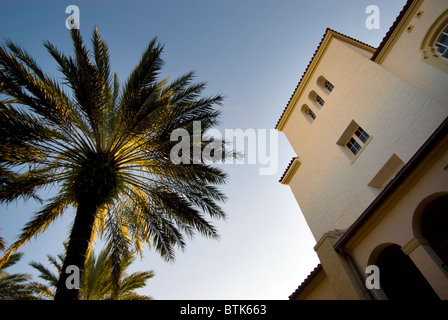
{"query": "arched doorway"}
[(400, 279), (434, 227)]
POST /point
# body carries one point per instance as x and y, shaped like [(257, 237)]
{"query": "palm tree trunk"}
[(77, 249)]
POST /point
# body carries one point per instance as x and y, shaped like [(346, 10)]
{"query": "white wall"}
[(331, 191)]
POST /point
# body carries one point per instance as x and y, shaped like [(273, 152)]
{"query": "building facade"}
[(369, 127)]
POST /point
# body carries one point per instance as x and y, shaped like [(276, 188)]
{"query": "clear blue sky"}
[(253, 52)]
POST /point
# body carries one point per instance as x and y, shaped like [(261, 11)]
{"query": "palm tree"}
[(107, 150), (14, 286), (97, 282)]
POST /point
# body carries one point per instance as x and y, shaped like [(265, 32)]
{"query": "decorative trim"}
[(290, 171), (413, 244), (427, 46)]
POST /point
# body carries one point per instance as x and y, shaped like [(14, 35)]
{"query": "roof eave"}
[(397, 28)]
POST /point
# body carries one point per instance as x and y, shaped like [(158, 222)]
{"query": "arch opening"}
[(400, 279)]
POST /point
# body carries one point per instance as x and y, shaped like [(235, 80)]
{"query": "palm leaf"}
[(37, 225), (45, 273)]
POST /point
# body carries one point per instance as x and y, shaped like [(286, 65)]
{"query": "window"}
[(362, 135), (308, 112), (434, 46), (328, 85), (353, 146), (311, 114), (320, 100), (356, 142), (441, 44), (325, 84), (317, 99), (353, 140)]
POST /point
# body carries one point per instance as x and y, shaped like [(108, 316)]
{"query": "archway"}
[(434, 227), (400, 279)]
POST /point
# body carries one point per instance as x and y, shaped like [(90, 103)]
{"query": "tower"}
[(369, 128)]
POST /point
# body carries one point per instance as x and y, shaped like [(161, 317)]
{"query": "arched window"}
[(325, 84), (400, 279), (441, 44), (316, 98), (435, 44), (308, 112)]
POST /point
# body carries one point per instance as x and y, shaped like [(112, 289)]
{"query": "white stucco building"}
[(369, 127)]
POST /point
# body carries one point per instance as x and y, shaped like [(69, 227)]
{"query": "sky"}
[(253, 52)]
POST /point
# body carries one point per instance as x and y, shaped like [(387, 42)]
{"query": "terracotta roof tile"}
[(392, 28), (287, 168), (305, 282)]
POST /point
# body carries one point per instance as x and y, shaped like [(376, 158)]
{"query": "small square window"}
[(354, 138), (357, 140)]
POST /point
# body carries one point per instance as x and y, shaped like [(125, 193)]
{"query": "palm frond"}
[(136, 280), (15, 286), (30, 87), (43, 291), (14, 258), (37, 225), (45, 273)]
